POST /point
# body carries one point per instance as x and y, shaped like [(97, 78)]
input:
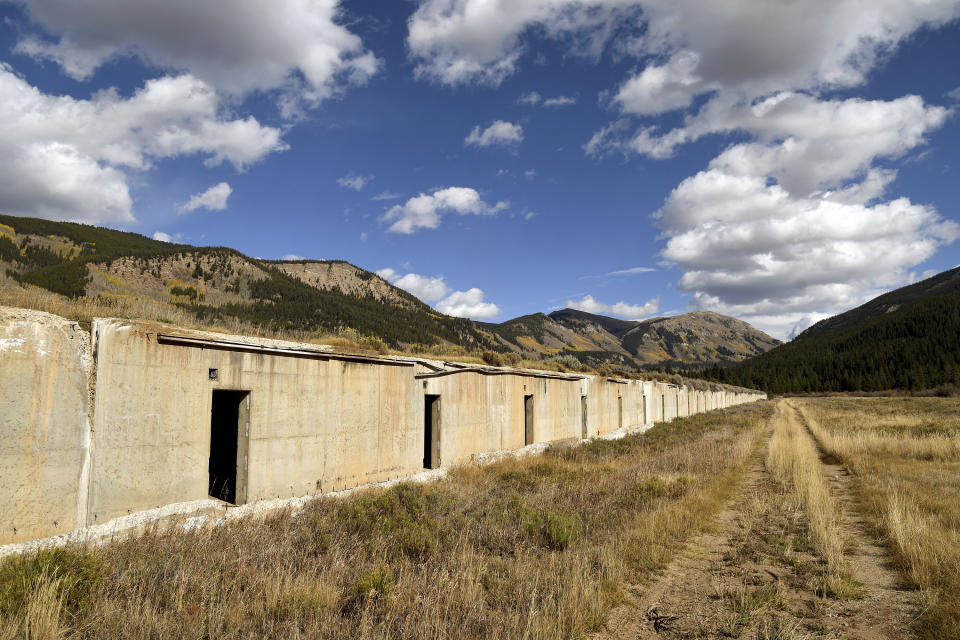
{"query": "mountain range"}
[(905, 339), (311, 296)]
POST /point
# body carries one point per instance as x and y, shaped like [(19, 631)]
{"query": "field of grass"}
[(905, 454), (537, 547), (793, 460)]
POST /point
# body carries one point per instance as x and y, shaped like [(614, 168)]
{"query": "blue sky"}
[(502, 157)]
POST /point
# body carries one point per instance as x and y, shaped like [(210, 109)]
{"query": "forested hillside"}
[(77, 260), (940, 284), (915, 346)]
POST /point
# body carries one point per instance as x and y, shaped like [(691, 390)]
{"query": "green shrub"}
[(412, 515), (493, 358), (77, 573), (189, 292)]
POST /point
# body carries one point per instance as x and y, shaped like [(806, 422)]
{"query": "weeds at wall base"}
[(538, 547)]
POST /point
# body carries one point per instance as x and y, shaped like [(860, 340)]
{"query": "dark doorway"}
[(528, 419), (229, 434), (431, 432), (643, 402), (583, 413), (619, 412), (663, 406)]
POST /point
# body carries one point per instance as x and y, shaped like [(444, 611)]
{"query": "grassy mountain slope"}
[(693, 338), (904, 341), (212, 283)]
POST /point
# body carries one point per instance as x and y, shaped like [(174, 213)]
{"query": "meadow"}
[(905, 456), (535, 547)]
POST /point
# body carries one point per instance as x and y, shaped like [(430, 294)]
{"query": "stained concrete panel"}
[(316, 423), (44, 399)]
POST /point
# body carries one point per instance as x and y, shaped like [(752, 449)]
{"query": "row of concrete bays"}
[(136, 415)]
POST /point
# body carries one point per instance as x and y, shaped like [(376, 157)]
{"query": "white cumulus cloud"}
[(530, 98), (213, 199), (622, 309), (468, 304), (499, 133), (662, 88), (560, 101), (236, 45), (423, 287), (425, 210), (795, 223), (533, 98), (461, 304), (461, 41), (66, 159), (755, 250), (795, 220), (162, 237), (357, 183)]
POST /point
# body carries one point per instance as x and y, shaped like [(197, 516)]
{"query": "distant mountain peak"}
[(696, 338)]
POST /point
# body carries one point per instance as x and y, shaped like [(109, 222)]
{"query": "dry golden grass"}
[(903, 452), (83, 310), (524, 548), (794, 461), (42, 616)]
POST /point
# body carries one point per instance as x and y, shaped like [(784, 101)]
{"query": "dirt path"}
[(755, 576), (885, 607)]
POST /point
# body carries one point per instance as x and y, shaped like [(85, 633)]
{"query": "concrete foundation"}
[(174, 410)]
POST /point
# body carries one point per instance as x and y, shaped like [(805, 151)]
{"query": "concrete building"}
[(139, 416)]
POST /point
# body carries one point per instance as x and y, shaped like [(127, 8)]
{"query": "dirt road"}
[(756, 576)]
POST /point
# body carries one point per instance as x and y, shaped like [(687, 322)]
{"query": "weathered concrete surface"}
[(316, 423), (485, 411), (313, 421), (44, 399)]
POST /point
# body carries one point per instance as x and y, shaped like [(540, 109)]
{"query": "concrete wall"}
[(312, 421), (483, 412), (315, 423), (44, 399)]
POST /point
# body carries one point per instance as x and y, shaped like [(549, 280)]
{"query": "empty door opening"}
[(643, 402), (431, 432), (583, 413), (528, 420), (229, 434), (619, 412), (663, 406)]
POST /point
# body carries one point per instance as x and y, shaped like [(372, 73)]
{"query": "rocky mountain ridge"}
[(303, 296), (700, 337)]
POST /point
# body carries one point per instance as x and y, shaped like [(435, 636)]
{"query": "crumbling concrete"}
[(310, 420)]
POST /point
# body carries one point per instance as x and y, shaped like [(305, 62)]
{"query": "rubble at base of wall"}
[(213, 513)]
